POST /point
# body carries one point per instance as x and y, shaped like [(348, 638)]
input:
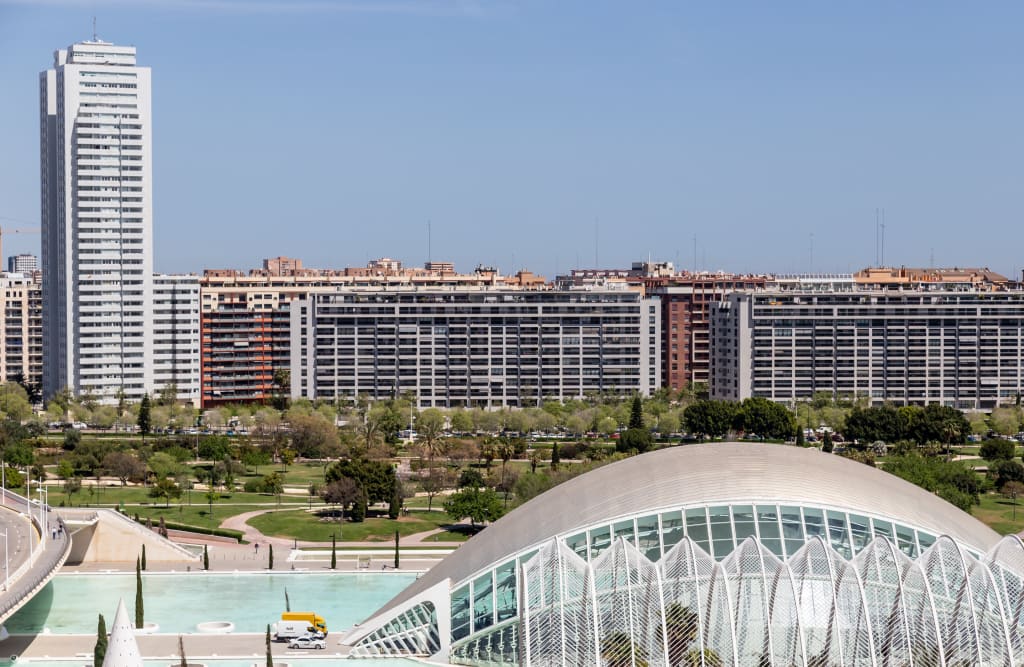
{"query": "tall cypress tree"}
[(140, 614), (143, 556), (145, 421), (270, 654), (636, 413), (206, 557), (270, 560), (334, 552), (555, 458), (396, 549), (100, 651)]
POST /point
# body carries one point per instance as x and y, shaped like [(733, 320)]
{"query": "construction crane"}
[(19, 230)]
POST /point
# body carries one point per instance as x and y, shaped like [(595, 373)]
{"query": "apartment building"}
[(21, 327), (246, 327), (176, 335), (22, 263), (949, 339), (492, 347), (97, 222)]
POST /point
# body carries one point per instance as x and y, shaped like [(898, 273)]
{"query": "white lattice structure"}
[(724, 554)]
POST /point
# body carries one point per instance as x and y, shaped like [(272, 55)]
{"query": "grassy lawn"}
[(998, 513), (311, 527)]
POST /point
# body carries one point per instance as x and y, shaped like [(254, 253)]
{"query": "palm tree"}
[(619, 650)]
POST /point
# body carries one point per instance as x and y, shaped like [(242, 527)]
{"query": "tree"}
[(211, 496), (270, 654), (555, 457), (340, 492), (470, 478), (139, 612), (998, 449), (143, 557), (1006, 471), (206, 558), (631, 439), (619, 650), (270, 556), (165, 488), (681, 629), (396, 549), (710, 418), (72, 438), (376, 478), (334, 552), (430, 426), (126, 467), (767, 419), (433, 482), (181, 652), (479, 505), (826, 443), (144, 420), (313, 435), (100, 650), (72, 485), (395, 506), (1012, 490)]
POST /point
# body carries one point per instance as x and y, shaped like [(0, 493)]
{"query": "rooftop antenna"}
[(883, 236), (94, 38), (597, 230), (811, 268), (695, 253), (430, 256), (877, 263)]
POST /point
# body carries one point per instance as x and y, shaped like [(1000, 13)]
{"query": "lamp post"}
[(4, 533)]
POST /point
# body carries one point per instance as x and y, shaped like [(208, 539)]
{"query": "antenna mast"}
[(94, 38)]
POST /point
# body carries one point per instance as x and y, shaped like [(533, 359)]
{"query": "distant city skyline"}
[(550, 137)]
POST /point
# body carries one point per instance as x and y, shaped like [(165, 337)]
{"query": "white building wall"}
[(176, 334), (97, 215), (474, 347)]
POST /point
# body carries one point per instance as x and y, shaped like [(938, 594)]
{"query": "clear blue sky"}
[(333, 131)]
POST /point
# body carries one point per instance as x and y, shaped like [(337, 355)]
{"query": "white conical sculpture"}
[(122, 649)]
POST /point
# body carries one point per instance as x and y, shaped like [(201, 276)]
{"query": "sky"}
[(738, 136)]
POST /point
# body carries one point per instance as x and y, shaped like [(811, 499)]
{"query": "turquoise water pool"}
[(70, 603)]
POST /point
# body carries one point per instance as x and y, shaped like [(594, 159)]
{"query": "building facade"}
[(23, 263), (21, 328), (246, 322), (176, 335), (471, 346), (949, 344), (97, 216)]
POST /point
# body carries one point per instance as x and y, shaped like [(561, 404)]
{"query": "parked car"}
[(307, 641)]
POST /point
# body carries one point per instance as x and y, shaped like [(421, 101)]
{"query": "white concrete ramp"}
[(104, 535)]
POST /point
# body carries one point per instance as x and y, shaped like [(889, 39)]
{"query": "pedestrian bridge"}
[(35, 545)]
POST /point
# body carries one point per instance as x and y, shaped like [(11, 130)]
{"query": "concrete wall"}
[(106, 536)]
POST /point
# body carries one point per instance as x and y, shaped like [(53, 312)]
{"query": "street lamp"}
[(4, 533)]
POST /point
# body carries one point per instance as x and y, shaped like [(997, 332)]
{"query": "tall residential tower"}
[(97, 222)]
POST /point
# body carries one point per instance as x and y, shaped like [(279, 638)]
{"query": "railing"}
[(34, 573)]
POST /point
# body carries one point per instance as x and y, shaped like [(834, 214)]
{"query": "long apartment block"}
[(958, 345), (484, 347)]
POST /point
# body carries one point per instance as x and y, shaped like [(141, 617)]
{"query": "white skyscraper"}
[(97, 220)]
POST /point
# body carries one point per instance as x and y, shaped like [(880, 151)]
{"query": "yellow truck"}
[(297, 623)]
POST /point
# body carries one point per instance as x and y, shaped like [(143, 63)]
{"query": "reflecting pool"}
[(177, 601)]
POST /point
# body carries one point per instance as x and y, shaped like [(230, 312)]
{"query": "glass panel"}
[(527, 556), (860, 532), (768, 528), (578, 543), (671, 529), (721, 531), (625, 529), (905, 540), (838, 535), (483, 603), (697, 527), (814, 522), (743, 518), (600, 538), (792, 529), (925, 540), (883, 529), (505, 590), (647, 536), (460, 613)]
